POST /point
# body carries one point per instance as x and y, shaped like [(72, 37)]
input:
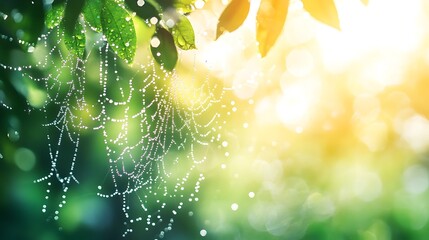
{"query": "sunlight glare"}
[(384, 26), (295, 106)]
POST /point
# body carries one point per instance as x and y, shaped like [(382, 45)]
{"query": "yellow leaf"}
[(324, 11), (233, 16), (270, 20)]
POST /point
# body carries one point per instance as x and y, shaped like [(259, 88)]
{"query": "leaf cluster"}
[(114, 19)]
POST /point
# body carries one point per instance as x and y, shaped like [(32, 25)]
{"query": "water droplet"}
[(140, 3), (153, 20), (1, 156), (203, 232), (251, 194), (4, 16), (154, 42), (234, 207)]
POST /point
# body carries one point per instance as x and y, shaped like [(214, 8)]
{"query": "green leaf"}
[(54, 16), (75, 41), (58, 2), (72, 11), (233, 16), (118, 27), (181, 6), (163, 49), (145, 11), (270, 20), (74, 34), (184, 6), (324, 11), (91, 13), (183, 34), (164, 4)]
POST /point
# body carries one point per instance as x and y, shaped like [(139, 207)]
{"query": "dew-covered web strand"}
[(148, 169), (66, 126), (67, 98), (5, 105), (150, 100)]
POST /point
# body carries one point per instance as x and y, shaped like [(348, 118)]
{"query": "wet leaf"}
[(118, 27), (233, 16), (75, 41), (72, 11), (163, 49), (54, 16), (270, 20), (181, 6), (324, 11), (164, 4), (145, 11), (184, 6), (74, 35), (183, 34), (91, 13), (58, 2)]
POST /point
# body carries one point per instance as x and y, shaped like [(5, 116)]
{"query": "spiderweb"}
[(156, 128)]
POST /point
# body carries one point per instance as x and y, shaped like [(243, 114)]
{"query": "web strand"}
[(152, 123)]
